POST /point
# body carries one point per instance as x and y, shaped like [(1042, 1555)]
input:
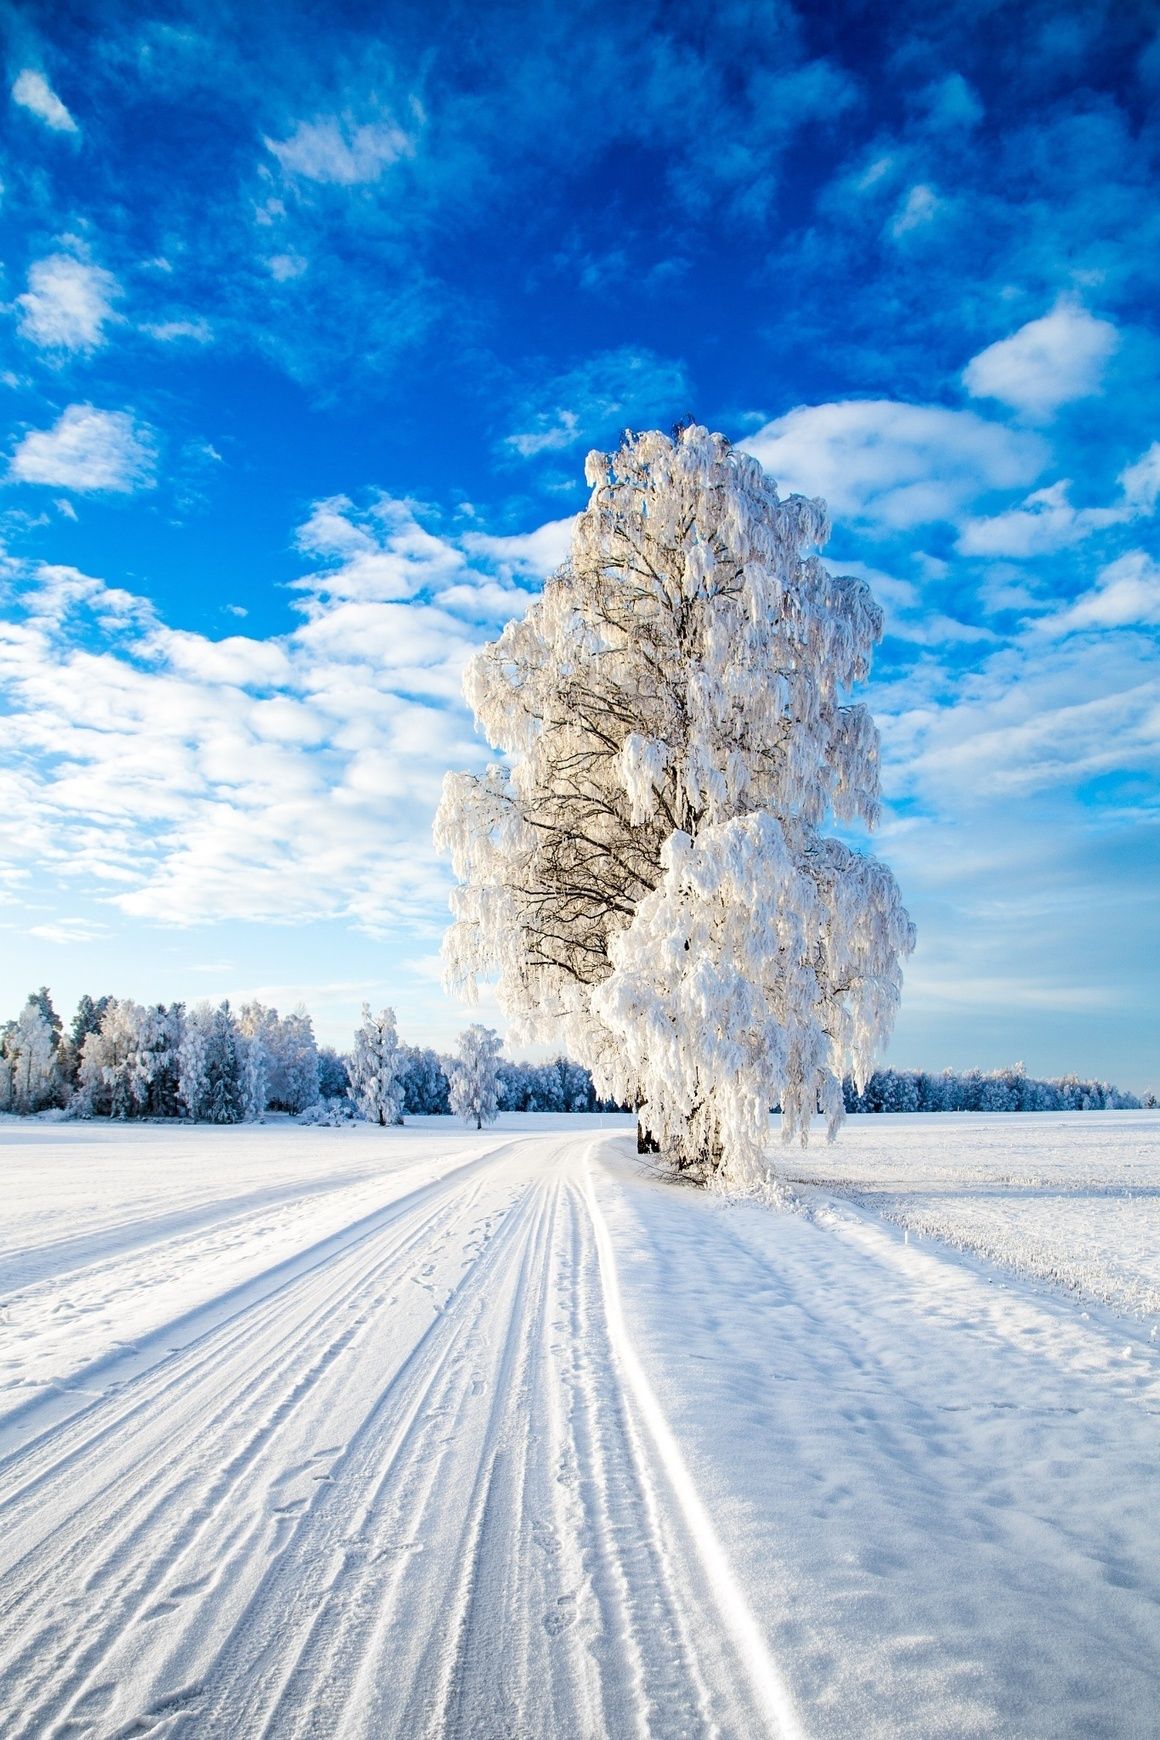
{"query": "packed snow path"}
[(529, 1445)]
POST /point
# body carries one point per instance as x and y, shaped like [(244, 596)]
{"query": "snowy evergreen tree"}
[(424, 1081), (376, 1068), (87, 1020), (224, 1102), (475, 1076), (645, 873), (43, 1001), (333, 1075)]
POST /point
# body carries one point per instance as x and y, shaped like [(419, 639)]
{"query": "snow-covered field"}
[(428, 1432)]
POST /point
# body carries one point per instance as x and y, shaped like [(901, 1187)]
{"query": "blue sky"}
[(309, 317)]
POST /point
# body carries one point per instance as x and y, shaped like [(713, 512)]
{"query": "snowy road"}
[(525, 1444)]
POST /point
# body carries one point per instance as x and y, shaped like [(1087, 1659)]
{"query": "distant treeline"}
[(211, 1064), (996, 1090)]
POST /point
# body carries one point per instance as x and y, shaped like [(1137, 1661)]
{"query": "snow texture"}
[(424, 1432)]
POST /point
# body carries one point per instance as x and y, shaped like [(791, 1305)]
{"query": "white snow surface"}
[(428, 1432)]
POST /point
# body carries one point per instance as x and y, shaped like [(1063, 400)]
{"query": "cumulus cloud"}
[(32, 91), (335, 150), (67, 303), (1046, 521), (1141, 482), (281, 779), (536, 553), (1127, 594), (892, 465), (87, 449), (1046, 364)]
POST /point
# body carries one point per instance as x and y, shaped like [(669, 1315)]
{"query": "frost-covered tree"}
[(333, 1075), (210, 1067), (7, 1085), (193, 1059), (257, 1046), (475, 1075), (30, 1046), (424, 1081), (376, 1067), (224, 1095), (294, 1062), (120, 1063), (645, 872)]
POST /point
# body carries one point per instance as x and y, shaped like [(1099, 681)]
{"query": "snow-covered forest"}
[(212, 1064), (209, 1064)]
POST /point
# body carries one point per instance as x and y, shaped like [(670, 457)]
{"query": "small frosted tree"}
[(645, 872), (475, 1076), (376, 1068)]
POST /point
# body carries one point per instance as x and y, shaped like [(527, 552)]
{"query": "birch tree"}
[(644, 871), (376, 1068), (475, 1075)]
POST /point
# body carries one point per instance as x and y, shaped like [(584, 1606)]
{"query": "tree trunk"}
[(646, 1142)]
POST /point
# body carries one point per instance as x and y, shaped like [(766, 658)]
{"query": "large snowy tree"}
[(645, 871), (475, 1075), (376, 1068)]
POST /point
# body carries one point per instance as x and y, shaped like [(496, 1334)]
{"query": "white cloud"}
[(1046, 364), (87, 449), (536, 553), (68, 931), (1127, 594), (894, 465), (67, 303), (32, 91), (334, 150), (920, 206), (597, 399), (1033, 716), (283, 268), (909, 614), (1141, 482), (378, 554), (1046, 521), (174, 331), (281, 780)]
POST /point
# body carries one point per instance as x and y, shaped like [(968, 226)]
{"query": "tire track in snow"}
[(419, 1490), (242, 1383)]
